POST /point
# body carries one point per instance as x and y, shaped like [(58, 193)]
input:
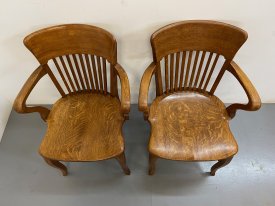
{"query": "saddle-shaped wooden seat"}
[(190, 126), (84, 127)]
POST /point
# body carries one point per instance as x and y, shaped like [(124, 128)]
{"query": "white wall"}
[(132, 22)]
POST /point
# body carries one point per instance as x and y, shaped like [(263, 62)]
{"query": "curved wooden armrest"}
[(125, 90), (254, 101), (19, 104), (144, 89)]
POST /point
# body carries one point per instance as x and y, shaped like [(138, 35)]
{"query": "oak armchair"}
[(188, 122), (85, 124)]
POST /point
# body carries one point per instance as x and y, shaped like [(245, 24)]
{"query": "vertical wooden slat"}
[(171, 71), (183, 59), (56, 83), (158, 80), (73, 73), (62, 75), (219, 77), (90, 71), (205, 69), (211, 71), (79, 72), (166, 74), (194, 69), (113, 78), (177, 71), (95, 73), (188, 69), (105, 76), (67, 73), (199, 69), (99, 73), (84, 70)]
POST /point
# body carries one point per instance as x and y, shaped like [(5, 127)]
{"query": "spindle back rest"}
[(77, 57), (187, 53)]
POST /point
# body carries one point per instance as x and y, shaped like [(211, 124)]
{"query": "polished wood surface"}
[(198, 35), (188, 122), (144, 89), (84, 127), (190, 126), (86, 123), (66, 39)]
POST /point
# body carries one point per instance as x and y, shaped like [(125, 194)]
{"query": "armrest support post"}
[(144, 89), (254, 101), (19, 104), (125, 90)]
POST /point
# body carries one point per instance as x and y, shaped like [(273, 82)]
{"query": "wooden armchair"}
[(85, 124), (188, 122)]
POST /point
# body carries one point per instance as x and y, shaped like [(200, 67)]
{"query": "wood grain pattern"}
[(198, 35), (188, 122), (86, 123), (61, 40), (190, 126), (72, 135)]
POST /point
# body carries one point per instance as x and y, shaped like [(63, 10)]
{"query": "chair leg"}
[(57, 164), (152, 164), (220, 164), (122, 161)]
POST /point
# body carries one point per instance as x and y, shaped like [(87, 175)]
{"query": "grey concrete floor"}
[(248, 180)]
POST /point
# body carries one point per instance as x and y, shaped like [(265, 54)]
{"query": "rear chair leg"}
[(57, 164), (220, 164), (152, 164), (122, 161)]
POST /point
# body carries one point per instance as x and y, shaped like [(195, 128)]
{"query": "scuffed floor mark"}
[(257, 166)]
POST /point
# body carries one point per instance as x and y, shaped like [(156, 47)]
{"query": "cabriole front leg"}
[(220, 164)]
